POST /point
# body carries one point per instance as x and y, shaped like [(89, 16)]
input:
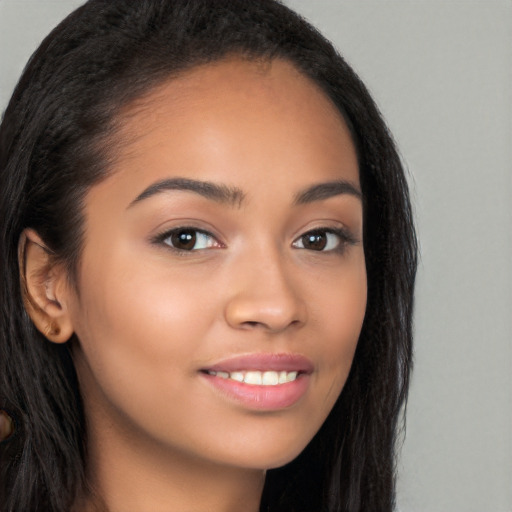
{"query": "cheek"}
[(338, 313), (139, 331), (340, 299)]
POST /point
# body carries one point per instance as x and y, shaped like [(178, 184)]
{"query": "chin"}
[(265, 456)]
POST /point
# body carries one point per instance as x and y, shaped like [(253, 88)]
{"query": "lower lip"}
[(264, 398)]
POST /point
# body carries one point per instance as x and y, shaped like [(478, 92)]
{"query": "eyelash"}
[(345, 238), (184, 230)]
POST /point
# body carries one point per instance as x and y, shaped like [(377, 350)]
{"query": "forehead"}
[(241, 92), (236, 121), (275, 81)]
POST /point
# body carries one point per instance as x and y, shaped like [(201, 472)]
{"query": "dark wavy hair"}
[(57, 139)]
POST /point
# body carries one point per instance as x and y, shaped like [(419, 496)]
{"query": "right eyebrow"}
[(213, 191), (322, 191)]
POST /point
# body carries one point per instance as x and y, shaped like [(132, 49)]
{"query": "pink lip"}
[(263, 362), (258, 397)]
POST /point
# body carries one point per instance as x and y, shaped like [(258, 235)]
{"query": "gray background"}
[(441, 71)]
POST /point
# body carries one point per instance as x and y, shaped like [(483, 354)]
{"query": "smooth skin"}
[(261, 268)]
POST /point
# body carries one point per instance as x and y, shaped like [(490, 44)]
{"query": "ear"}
[(45, 288)]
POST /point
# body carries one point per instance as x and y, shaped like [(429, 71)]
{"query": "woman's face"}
[(226, 246)]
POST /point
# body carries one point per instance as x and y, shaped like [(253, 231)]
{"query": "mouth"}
[(261, 381), (257, 378)]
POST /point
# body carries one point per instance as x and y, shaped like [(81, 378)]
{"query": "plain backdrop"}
[(441, 72)]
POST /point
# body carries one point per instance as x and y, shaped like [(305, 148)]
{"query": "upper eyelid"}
[(166, 232), (160, 238), (346, 235), (341, 231)]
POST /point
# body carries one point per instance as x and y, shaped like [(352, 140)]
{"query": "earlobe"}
[(44, 287)]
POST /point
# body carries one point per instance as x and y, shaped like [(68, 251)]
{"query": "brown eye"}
[(323, 240), (184, 239), (314, 241), (187, 239)]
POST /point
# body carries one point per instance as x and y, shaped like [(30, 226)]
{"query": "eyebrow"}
[(216, 192), (326, 190), (234, 196)]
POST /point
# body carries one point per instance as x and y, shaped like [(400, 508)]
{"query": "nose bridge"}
[(263, 291)]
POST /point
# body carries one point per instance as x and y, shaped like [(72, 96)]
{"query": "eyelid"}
[(160, 238), (346, 237)]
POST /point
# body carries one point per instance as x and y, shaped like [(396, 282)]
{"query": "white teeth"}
[(270, 379), (253, 378), (291, 376), (257, 378), (238, 376)]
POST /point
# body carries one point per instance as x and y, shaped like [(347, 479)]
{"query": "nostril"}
[(251, 324)]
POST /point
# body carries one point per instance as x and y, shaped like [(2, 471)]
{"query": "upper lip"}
[(263, 362)]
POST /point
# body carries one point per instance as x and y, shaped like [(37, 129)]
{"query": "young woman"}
[(208, 262)]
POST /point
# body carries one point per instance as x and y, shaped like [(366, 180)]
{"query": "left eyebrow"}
[(213, 191), (326, 190)]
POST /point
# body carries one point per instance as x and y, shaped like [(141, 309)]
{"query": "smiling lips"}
[(268, 378), (261, 381)]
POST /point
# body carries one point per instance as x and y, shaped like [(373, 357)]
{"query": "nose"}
[(264, 297)]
